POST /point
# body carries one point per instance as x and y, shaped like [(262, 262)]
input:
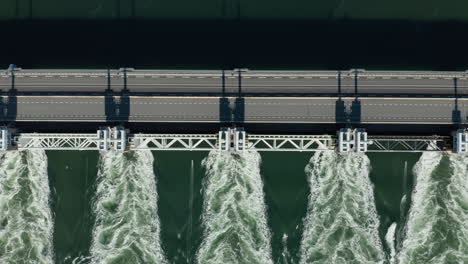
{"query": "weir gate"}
[(127, 98), (233, 139)]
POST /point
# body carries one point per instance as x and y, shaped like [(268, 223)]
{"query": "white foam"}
[(26, 223), (390, 239), (341, 225), (127, 225), (437, 228), (234, 211)]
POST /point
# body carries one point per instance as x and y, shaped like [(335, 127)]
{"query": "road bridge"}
[(240, 97), (233, 82), (204, 109)]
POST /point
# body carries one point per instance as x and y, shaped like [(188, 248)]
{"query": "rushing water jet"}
[(341, 225), (234, 211), (26, 223), (127, 225), (437, 229)]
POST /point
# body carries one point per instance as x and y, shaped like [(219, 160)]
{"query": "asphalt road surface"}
[(250, 83), (248, 109)]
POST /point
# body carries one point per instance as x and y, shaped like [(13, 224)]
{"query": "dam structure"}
[(180, 166), (333, 110)]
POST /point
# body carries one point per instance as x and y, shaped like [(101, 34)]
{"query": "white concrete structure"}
[(352, 140), (5, 139), (460, 141), (111, 138)]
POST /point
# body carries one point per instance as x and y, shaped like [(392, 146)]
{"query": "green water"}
[(317, 9), (72, 181), (191, 207)]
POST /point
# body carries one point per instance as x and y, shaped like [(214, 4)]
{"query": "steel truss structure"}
[(173, 142), (408, 144), (208, 142), (290, 142), (57, 141)]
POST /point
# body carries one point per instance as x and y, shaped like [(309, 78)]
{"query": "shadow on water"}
[(179, 43)]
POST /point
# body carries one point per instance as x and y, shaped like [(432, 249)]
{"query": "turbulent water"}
[(234, 211), (437, 228), (25, 218), (127, 225), (341, 225)]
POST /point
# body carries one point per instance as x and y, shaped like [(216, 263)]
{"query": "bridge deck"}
[(214, 82), (232, 109), (286, 97)]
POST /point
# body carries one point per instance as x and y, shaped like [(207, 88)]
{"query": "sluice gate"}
[(233, 139)]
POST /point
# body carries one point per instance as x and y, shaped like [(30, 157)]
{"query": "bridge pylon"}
[(460, 141), (5, 139), (232, 139), (112, 138), (352, 140)]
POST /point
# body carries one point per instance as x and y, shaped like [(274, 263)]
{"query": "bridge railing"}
[(130, 72), (57, 141), (408, 144), (233, 139), (290, 142), (189, 142)]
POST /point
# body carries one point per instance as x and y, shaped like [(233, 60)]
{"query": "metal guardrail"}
[(129, 72), (207, 142)]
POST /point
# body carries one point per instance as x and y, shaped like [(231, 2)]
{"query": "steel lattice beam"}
[(207, 142)]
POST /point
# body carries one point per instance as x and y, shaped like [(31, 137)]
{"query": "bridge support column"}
[(112, 138), (224, 141), (345, 140), (119, 137), (232, 139), (460, 141), (5, 139), (103, 141), (240, 139), (352, 140)]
